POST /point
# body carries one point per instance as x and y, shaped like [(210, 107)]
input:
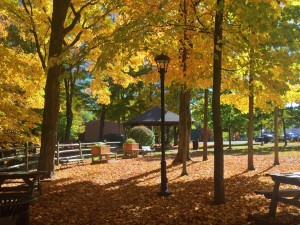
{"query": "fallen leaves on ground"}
[(125, 192)]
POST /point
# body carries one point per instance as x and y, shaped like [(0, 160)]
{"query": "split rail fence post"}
[(26, 156), (80, 149), (57, 152)]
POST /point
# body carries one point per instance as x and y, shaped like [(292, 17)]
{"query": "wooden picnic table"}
[(290, 196), (31, 180)]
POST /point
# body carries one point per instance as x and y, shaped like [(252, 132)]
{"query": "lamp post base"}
[(164, 193)]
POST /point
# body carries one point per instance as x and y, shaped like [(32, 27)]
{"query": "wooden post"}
[(274, 199), (57, 156), (26, 156), (80, 149)]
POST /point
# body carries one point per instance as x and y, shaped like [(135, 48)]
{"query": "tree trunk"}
[(219, 190), (176, 133), (276, 150), (284, 129), (69, 88), (184, 125), (102, 122), (229, 138), (168, 136), (51, 104), (184, 128), (205, 127), (185, 97), (251, 116)]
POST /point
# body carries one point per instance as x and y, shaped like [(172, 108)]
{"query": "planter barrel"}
[(130, 146), (96, 150)]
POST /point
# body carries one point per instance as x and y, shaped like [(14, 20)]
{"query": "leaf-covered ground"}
[(125, 192)]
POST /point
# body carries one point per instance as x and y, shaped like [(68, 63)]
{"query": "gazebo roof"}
[(153, 117)]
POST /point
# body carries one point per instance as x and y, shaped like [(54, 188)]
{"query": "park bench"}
[(147, 149), (66, 161), (103, 151)]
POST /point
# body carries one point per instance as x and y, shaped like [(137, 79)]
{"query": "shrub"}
[(130, 140), (143, 135)]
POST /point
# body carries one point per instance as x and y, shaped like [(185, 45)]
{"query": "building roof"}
[(153, 117)]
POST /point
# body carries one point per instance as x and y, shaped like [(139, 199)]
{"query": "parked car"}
[(291, 136), (264, 137)]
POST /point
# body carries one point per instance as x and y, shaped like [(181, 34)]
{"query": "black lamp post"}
[(162, 67)]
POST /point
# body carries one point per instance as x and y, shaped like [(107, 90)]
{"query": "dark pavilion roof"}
[(153, 117)]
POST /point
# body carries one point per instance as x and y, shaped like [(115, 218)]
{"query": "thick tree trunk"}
[(276, 149), (219, 190), (251, 116), (184, 98), (205, 127), (51, 104), (184, 126)]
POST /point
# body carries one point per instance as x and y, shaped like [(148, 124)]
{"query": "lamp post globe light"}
[(162, 62)]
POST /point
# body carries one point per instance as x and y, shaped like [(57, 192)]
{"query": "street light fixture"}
[(162, 62)]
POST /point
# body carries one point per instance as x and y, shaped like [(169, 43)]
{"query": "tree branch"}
[(77, 16), (76, 39), (33, 31)]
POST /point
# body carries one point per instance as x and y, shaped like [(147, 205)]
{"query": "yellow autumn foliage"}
[(21, 92), (119, 35), (250, 51), (293, 95)]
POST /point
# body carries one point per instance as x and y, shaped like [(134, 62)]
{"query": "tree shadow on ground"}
[(129, 201), (237, 152)]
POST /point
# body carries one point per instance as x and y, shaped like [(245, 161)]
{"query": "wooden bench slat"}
[(281, 193), (71, 160), (15, 188), (21, 188), (66, 161), (108, 153), (133, 153), (289, 201)]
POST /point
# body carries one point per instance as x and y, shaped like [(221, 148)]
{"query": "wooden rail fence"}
[(26, 158), (19, 158), (80, 150)]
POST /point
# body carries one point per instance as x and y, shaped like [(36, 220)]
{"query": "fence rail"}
[(79, 150), (27, 157), (19, 158)]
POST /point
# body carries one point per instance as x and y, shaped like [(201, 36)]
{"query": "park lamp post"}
[(162, 62)]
